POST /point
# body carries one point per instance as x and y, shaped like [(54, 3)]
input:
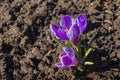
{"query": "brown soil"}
[(28, 52)]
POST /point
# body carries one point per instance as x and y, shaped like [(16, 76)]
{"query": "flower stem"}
[(58, 41), (79, 48)]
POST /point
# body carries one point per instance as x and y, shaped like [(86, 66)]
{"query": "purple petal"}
[(67, 58), (66, 22), (58, 32), (54, 29), (61, 34), (75, 42), (73, 22), (69, 52), (60, 65), (62, 54), (73, 32), (67, 61), (81, 22)]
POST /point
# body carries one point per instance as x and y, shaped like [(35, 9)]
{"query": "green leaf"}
[(87, 52), (70, 43), (80, 68), (88, 63)]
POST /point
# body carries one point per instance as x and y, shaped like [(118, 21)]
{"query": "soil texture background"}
[(28, 52)]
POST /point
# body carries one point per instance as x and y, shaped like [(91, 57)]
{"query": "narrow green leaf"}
[(87, 52), (80, 68), (88, 63), (70, 43)]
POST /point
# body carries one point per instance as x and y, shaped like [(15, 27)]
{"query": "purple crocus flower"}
[(67, 58), (69, 28)]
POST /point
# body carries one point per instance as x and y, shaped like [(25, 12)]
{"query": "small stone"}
[(118, 55), (115, 69), (112, 55), (117, 42), (114, 59), (35, 72), (73, 77)]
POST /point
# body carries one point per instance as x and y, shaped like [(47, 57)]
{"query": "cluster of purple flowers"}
[(69, 30)]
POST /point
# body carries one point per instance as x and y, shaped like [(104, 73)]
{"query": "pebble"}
[(112, 55), (114, 59), (118, 55), (117, 42)]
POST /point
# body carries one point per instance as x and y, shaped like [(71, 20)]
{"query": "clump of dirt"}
[(27, 50)]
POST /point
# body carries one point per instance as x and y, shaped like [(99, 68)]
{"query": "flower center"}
[(66, 29)]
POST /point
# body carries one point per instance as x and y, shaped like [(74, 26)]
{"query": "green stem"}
[(58, 41), (87, 53), (79, 48)]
